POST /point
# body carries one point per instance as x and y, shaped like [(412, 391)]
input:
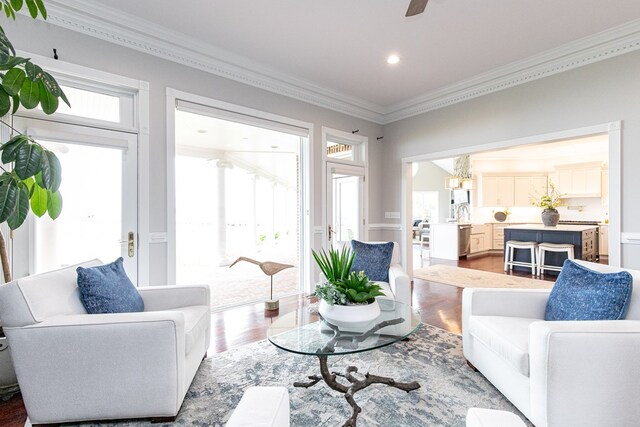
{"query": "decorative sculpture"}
[(269, 268)]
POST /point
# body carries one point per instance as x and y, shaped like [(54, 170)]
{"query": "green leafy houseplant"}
[(343, 286), (30, 174), (549, 201)]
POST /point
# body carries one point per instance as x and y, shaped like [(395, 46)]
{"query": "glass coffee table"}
[(300, 333)]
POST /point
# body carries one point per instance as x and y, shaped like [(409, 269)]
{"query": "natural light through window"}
[(90, 105)]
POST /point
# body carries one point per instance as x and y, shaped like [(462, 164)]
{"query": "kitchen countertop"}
[(560, 227)]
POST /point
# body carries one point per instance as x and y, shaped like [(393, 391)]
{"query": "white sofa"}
[(561, 373), (74, 366)]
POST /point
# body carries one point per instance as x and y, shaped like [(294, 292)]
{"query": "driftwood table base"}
[(355, 385)]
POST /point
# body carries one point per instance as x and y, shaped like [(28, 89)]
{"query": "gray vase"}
[(550, 217)]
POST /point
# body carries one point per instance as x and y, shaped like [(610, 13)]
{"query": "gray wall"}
[(431, 177), (603, 92), (40, 38)]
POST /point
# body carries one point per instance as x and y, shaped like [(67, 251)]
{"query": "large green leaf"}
[(34, 72), (5, 44), (48, 101), (38, 200), (12, 61), (12, 81), (8, 190), (33, 9), (29, 94), (42, 9), (30, 183), (10, 148), (54, 204), (5, 102), (16, 219), (28, 160), (16, 4), (52, 86), (56, 170)]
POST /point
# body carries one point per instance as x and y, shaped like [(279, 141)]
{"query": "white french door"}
[(99, 189), (345, 203)]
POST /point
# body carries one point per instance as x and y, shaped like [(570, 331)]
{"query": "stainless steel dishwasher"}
[(464, 239)]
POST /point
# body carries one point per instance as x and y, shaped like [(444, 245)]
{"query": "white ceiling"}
[(339, 47)]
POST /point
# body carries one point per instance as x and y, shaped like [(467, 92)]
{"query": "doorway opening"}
[(506, 181), (238, 193)]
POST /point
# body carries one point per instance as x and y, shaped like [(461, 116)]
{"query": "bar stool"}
[(509, 255), (552, 247)]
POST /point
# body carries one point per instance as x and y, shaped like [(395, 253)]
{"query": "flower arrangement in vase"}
[(549, 203)]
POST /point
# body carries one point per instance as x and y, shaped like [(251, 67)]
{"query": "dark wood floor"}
[(440, 305)]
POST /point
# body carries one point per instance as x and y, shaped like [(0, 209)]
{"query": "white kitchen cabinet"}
[(579, 180), (603, 242), (497, 191), (477, 243), (481, 235), (528, 188)]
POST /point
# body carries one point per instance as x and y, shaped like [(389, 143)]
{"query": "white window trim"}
[(306, 169), (90, 77), (357, 140)]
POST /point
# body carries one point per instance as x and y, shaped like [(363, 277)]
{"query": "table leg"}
[(354, 386)]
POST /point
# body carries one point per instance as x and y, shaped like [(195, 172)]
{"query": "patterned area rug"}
[(432, 357), (468, 278)]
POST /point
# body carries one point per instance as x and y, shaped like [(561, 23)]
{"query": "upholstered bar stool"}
[(510, 251), (543, 248)]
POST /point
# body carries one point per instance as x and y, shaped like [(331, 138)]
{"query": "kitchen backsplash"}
[(585, 209)]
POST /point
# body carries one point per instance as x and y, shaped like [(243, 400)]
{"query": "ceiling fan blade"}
[(416, 7)]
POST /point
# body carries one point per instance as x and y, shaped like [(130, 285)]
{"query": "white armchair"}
[(561, 373), (74, 366)]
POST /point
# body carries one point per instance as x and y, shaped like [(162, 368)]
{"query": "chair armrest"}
[(167, 297), (530, 303), (584, 372), (77, 362), (400, 283)]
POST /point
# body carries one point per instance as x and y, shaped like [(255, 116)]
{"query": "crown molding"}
[(598, 47), (105, 23), (88, 17)]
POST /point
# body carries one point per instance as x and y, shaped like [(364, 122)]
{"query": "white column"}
[(221, 228)]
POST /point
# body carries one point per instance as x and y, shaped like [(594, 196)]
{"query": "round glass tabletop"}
[(299, 332)]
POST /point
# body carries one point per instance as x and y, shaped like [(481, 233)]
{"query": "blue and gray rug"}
[(432, 357)]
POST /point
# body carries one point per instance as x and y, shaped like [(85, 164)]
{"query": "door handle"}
[(330, 231), (131, 244)]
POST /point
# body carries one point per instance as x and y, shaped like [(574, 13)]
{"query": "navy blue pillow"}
[(107, 289), (584, 294), (372, 258)]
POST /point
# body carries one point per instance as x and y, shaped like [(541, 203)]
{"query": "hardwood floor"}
[(440, 306)]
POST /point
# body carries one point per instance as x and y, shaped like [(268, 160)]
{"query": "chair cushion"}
[(195, 324), (107, 289), (508, 337), (372, 258), (386, 290), (478, 417), (583, 294), (262, 407)]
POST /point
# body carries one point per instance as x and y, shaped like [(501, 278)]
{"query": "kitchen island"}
[(582, 237)]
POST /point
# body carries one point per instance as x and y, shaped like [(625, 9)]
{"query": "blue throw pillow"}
[(584, 294), (372, 258), (107, 289)]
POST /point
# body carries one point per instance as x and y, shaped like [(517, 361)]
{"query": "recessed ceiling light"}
[(274, 146), (201, 131), (393, 59)]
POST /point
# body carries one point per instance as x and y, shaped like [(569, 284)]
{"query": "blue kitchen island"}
[(584, 239)]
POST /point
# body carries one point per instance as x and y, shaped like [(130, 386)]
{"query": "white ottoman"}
[(262, 407), (477, 417)]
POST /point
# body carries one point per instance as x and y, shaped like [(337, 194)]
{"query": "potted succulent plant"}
[(347, 298), (549, 202)]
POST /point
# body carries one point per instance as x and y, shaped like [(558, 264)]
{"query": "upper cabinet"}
[(528, 188), (583, 180), (510, 191), (497, 191)]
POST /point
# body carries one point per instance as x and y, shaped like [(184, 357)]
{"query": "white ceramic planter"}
[(350, 318)]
